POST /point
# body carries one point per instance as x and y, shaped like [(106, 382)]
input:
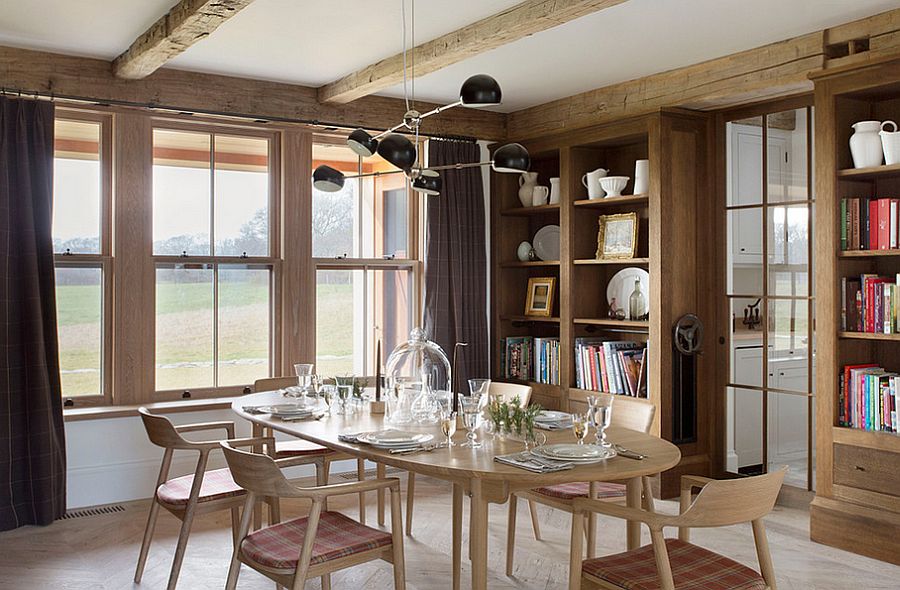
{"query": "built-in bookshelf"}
[(857, 504), (672, 141)]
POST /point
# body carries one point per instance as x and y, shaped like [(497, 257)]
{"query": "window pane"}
[(334, 215), (744, 157), (789, 235), (77, 193), (181, 189), (184, 327), (242, 196), (787, 156), (788, 427), (390, 294), (340, 321), (79, 308), (244, 324)]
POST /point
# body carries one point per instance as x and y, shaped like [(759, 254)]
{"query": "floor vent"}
[(84, 512), (370, 473)]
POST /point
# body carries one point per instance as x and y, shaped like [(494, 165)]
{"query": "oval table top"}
[(458, 463)]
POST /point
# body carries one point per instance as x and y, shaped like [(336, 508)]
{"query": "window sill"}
[(105, 412)]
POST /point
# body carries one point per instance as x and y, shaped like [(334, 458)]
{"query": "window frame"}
[(102, 260), (273, 260)]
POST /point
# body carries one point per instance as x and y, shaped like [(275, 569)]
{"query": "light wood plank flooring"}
[(100, 551)]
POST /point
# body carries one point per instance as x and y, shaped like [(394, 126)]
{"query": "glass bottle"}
[(637, 305)]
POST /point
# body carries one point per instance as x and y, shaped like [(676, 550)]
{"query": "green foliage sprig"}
[(511, 418)]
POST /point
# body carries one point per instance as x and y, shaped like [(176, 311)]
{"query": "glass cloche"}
[(420, 374)]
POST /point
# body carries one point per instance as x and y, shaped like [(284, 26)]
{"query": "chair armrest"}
[(250, 441), (354, 487), (299, 460), (654, 520), (227, 426)]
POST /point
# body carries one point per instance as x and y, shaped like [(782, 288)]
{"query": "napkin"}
[(527, 462)]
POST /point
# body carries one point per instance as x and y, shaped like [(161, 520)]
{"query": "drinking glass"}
[(479, 386), (471, 408), (304, 373), (580, 427), (448, 426), (328, 393), (343, 392), (601, 418)]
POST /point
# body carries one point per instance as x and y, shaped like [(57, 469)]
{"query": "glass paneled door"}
[(769, 214)]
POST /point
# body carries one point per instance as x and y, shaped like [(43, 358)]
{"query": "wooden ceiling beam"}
[(494, 31), (189, 21)]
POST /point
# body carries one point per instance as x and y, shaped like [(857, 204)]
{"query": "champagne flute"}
[(580, 427), (448, 426)]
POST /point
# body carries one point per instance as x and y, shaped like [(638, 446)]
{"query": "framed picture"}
[(617, 236), (540, 296)]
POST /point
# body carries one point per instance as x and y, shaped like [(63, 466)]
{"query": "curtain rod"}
[(325, 125)]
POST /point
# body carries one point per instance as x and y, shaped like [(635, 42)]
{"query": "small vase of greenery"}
[(511, 419)]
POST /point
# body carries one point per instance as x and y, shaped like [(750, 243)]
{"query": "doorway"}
[(769, 294)]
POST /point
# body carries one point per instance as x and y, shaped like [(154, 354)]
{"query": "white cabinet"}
[(745, 416)]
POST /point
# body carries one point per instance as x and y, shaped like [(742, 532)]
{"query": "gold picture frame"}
[(539, 301), (617, 236)]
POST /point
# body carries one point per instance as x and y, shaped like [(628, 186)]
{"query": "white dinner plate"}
[(621, 286), (574, 452), (546, 242), (551, 416), (395, 436), (415, 440), (286, 409)]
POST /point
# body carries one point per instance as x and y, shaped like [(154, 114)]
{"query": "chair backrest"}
[(733, 501), (161, 431), (633, 414), (509, 391), (274, 383), (257, 473)]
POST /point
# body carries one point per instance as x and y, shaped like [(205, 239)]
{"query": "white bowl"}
[(614, 185)]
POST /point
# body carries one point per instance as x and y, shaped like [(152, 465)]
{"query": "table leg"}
[(257, 431), (380, 474), (457, 533), (478, 536), (633, 499)]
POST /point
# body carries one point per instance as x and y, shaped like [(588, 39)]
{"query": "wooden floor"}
[(100, 552)]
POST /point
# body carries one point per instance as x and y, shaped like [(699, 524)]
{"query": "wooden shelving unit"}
[(529, 264), (857, 504), (668, 216)]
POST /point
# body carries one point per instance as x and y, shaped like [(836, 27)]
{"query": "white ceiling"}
[(316, 41)]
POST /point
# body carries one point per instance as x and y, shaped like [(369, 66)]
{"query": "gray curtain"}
[(456, 263), (32, 438)]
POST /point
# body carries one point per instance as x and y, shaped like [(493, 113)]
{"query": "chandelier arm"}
[(460, 166), (373, 174)]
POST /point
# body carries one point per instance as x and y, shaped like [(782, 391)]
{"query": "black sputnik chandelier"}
[(396, 148)]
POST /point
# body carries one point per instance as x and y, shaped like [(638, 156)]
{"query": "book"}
[(616, 367)]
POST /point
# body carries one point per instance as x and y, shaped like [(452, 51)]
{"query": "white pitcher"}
[(890, 142), (642, 177), (554, 190), (527, 182), (591, 182), (865, 144), (539, 196)]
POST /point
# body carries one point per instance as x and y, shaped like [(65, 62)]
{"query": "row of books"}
[(868, 398), (870, 224), (531, 359), (618, 367), (870, 303)]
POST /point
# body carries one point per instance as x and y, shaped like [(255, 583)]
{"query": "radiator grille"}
[(99, 511)]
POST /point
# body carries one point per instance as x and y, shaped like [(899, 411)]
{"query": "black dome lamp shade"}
[(512, 157), (362, 143), (398, 150), (428, 184), (327, 179), (480, 90)]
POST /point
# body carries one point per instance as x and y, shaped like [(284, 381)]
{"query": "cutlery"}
[(628, 453), (422, 449), (299, 418)]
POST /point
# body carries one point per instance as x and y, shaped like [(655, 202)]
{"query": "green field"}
[(184, 350)]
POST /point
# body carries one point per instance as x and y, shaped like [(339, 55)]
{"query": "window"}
[(81, 193), (213, 251), (364, 248)]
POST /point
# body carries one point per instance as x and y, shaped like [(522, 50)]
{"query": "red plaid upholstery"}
[(217, 484), (338, 536), (693, 568), (570, 491), (299, 448)]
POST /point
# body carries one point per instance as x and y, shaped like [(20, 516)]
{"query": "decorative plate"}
[(621, 286), (546, 242)]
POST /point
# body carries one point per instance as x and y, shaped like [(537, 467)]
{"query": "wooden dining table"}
[(473, 472)]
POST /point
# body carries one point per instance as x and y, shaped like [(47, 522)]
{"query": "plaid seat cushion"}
[(337, 536), (693, 568), (299, 448), (216, 484), (570, 491)]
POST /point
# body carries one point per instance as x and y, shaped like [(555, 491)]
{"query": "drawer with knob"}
[(867, 469)]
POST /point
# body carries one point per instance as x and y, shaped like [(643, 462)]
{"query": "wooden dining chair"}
[(634, 414), (508, 392), (191, 495), (303, 448), (667, 564), (311, 546)]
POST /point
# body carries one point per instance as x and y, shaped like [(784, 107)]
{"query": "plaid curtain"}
[(32, 438), (456, 261)]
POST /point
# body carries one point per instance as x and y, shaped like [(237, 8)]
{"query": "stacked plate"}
[(287, 410), (553, 420), (574, 453), (395, 439)]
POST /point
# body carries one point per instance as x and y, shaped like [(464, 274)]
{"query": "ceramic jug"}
[(890, 141), (527, 182), (865, 144), (554, 190), (591, 182), (539, 196), (642, 177)]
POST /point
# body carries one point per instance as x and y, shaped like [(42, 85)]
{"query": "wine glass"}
[(580, 427), (601, 417), (448, 426), (328, 393), (471, 408), (304, 372), (343, 392), (479, 386)]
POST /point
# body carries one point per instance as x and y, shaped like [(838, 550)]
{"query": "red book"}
[(884, 224), (873, 225), (604, 385)]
